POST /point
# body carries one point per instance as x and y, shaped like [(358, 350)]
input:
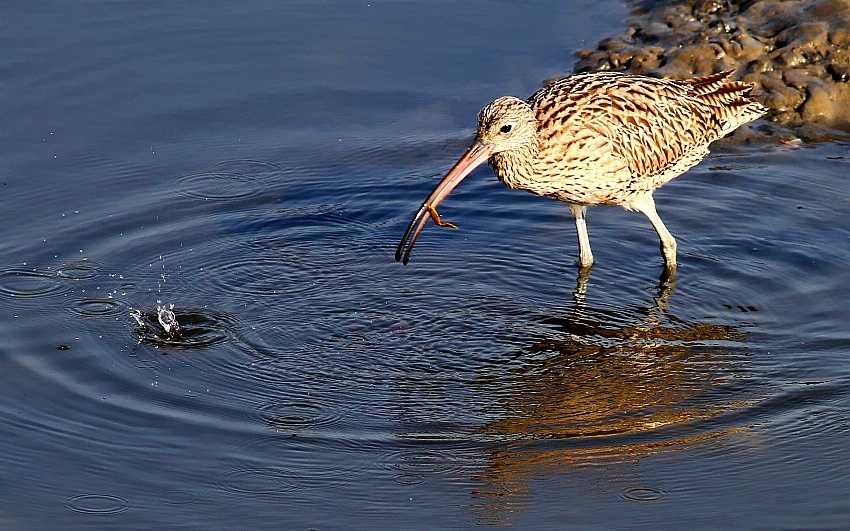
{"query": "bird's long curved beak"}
[(477, 153)]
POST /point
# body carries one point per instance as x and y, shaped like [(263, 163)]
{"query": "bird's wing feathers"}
[(648, 124)]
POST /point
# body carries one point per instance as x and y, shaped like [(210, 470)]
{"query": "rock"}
[(829, 9), (695, 60), (839, 37), (781, 97), (797, 78), (839, 72), (802, 43), (750, 48), (710, 6), (819, 105)]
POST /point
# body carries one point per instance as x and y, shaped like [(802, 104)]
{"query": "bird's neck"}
[(515, 168)]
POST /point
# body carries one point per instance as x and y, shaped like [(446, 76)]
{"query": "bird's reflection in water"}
[(608, 386)]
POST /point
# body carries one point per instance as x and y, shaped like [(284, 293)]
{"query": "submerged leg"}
[(582, 279), (668, 243), (585, 256)]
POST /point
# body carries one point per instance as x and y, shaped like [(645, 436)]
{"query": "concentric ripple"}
[(97, 307), (643, 494), (253, 276), (306, 469), (181, 497), (419, 463), (227, 180), (97, 504), (287, 415), (19, 282), (256, 481), (79, 270), (272, 480)]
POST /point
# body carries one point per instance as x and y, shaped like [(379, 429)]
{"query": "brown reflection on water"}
[(607, 387)]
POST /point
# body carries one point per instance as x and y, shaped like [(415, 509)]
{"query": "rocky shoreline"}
[(796, 52)]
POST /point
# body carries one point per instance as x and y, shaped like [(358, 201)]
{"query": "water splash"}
[(164, 328), (197, 327), (165, 316)]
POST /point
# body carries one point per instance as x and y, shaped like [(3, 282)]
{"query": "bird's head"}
[(507, 124)]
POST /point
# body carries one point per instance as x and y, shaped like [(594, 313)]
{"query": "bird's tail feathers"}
[(731, 100)]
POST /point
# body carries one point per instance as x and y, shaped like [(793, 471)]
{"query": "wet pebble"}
[(780, 97)]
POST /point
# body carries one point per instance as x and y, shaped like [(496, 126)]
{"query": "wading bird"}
[(603, 138)]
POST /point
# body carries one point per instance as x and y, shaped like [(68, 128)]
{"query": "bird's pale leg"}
[(585, 256), (668, 243)]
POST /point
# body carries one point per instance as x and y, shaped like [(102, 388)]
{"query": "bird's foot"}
[(436, 217)]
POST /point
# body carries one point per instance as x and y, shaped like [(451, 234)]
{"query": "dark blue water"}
[(255, 165)]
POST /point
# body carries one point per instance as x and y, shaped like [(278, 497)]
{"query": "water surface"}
[(255, 165)]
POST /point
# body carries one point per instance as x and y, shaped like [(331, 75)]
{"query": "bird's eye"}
[(506, 128)]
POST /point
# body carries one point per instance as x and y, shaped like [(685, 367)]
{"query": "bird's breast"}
[(517, 170), (580, 171)]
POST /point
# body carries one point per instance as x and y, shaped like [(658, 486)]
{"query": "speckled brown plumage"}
[(602, 138)]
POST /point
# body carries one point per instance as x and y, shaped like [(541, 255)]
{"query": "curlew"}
[(603, 138)]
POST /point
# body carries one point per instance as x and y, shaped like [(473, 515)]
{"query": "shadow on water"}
[(611, 386)]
